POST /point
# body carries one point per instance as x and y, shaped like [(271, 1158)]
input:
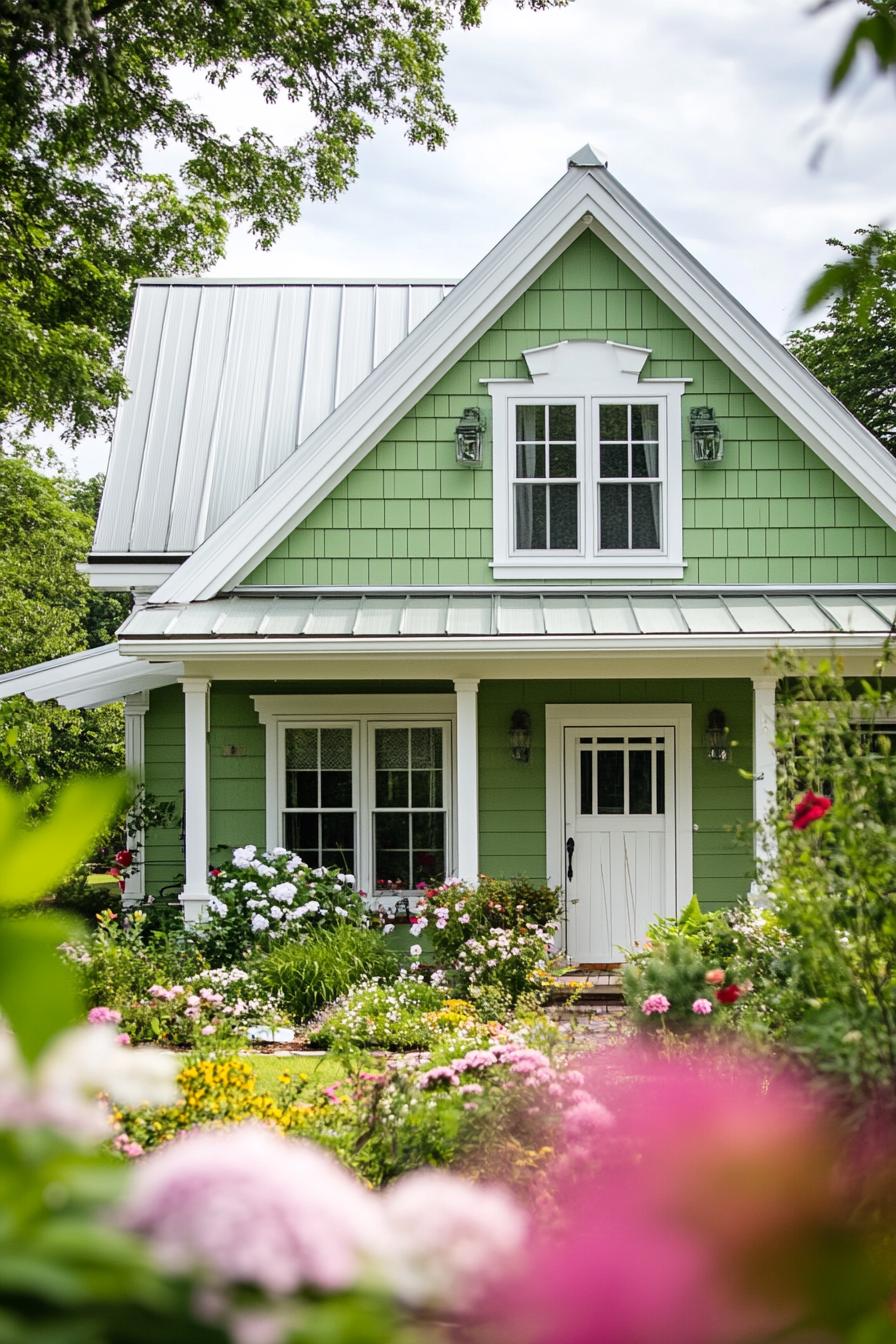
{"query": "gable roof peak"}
[(586, 157)]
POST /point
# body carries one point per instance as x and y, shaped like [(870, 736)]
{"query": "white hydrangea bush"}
[(262, 897)]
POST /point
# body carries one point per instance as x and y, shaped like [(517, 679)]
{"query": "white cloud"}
[(707, 112)]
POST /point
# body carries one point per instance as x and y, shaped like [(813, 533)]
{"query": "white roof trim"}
[(583, 197), (93, 677)]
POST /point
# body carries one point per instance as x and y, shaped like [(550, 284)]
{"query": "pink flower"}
[(715, 977), (104, 1015), (123, 1038), (247, 1206), (702, 1007), (655, 1003), (208, 1030)]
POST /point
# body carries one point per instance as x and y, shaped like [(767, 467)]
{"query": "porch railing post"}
[(135, 706), (467, 693), (195, 893), (765, 784)]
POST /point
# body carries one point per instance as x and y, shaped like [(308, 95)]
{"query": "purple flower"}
[(702, 1007), (104, 1015)]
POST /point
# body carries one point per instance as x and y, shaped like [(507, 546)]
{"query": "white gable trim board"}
[(585, 197)]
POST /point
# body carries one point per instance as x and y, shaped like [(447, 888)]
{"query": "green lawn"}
[(321, 1070)]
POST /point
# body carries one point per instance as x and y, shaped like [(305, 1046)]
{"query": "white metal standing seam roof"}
[(92, 677), (775, 616), (227, 378)]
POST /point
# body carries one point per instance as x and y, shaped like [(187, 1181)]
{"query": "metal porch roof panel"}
[(500, 615), (228, 378)]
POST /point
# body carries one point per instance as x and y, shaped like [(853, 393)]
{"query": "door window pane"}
[(611, 782), (586, 783), (640, 783)]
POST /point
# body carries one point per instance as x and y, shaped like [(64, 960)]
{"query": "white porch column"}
[(135, 706), (467, 690), (195, 893), (764, 764)]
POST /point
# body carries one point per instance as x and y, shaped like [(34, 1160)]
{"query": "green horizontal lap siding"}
[(163, 728), (512, 795), (236, 754), (770, 512)]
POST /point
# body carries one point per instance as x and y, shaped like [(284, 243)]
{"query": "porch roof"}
[(637, 619), (92, 677)]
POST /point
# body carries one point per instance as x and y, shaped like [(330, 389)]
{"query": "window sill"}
[(655, 568)]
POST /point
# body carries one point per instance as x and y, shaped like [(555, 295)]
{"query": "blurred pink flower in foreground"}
[(718, 1207)]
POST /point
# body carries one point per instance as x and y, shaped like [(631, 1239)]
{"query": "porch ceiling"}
[(637, 619)]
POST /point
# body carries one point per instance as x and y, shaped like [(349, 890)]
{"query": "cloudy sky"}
[(708, 111)]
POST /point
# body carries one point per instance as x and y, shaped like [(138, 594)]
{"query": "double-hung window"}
[(364, 787), (587, 474)]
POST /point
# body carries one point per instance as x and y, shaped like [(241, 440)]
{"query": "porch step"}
[(588, 988)]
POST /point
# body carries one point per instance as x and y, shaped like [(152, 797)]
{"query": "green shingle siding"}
[(410, 514), (511, 797)]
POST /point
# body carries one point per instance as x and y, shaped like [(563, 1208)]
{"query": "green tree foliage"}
[(853, 351), (86, 88), (48, 610)]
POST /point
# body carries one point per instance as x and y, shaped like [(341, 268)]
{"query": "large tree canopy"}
[(86, 87), (47, 610), (853, 351)]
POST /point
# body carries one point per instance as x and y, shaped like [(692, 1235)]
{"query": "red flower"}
[(809, 808), (214, 872), (124, 858), (729, 993), (114, 872)]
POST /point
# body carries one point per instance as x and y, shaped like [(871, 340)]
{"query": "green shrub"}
[(308, 975), (119, 961), (403, 1015), (822, 962), (494, 940)]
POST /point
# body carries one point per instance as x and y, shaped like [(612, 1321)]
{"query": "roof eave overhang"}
[(397, 647)]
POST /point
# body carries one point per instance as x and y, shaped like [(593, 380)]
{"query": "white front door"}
[(619, 835)]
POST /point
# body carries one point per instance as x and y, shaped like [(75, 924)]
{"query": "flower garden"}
[(452, 1162)]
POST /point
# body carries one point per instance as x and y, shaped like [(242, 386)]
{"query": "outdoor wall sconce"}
[(520, 735), (706, 437), (716, 739), (468, 437)]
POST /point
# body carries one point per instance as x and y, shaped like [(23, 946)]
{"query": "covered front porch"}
[(408, 738)]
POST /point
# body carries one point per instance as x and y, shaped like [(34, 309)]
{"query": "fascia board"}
[(501, 645), (357, 425), (771, 372)]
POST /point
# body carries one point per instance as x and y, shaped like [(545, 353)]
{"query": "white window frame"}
[(363, 714), (589, 373)]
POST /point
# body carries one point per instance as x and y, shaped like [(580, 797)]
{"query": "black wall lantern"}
[(468, 437), (716, 738), (520, 735), (706, 437)]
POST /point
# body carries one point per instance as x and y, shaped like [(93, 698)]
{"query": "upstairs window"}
[(587, 482)]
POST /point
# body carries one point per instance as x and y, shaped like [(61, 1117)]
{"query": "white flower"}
[(387, 928), (259, 923), (264, 869), (284, 891), (251, 886), (276, 912), (217, 907), (319, 872), (228, 886), (339, 911), (312, 907), (242, 858), (278, 851), (415, 950)]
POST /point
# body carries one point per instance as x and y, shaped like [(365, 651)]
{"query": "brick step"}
[(594, 990)]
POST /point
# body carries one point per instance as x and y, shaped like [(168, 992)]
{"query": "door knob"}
[(570, 850)]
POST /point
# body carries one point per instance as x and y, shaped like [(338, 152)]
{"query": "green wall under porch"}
[(511, 795), (770, 512)]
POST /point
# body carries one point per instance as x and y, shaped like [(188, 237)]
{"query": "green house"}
[(437, 579)]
